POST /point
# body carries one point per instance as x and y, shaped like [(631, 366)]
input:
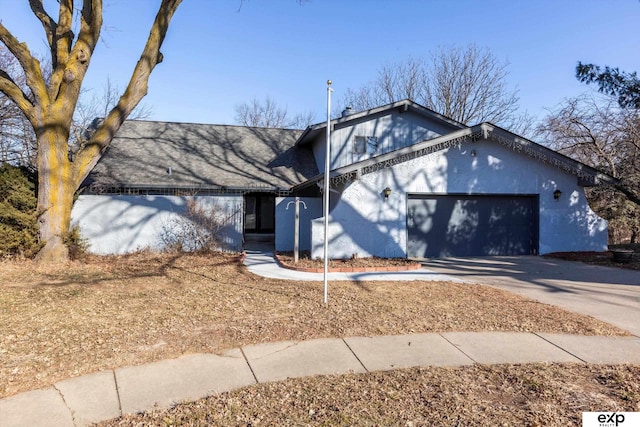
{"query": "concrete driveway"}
[(608, 294)]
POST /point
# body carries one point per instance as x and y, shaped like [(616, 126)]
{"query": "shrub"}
[(18, 218), (77, 245), (201, 228)]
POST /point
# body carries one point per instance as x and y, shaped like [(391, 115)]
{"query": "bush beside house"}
[(18, 219)]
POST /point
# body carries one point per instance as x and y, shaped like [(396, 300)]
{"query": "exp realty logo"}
[(610, 419)]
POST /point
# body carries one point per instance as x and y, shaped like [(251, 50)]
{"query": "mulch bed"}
[(350, 265)]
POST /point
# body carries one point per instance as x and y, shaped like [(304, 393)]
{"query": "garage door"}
[(463, 225)]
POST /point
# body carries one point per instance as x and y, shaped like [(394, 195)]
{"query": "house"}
[(143, 180), (405, 182)]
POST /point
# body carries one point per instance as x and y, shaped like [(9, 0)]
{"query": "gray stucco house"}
[(405, 182)]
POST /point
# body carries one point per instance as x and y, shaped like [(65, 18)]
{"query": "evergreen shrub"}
[(18, 217)]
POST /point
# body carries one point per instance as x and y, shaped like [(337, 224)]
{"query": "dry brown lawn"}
[(106, 312), (499, 395)]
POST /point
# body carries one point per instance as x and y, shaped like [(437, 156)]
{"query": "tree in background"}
[(49, 105), (467, 84), (604, 132), (597, 132), (17, 138), (268, 114), (95, 104), (612, 81)]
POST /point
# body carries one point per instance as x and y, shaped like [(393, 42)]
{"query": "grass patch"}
[(106, 312)]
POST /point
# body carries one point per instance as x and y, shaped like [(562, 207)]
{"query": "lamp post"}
[(327, 161)]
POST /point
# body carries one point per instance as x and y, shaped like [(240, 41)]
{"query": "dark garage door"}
[(463, 225)]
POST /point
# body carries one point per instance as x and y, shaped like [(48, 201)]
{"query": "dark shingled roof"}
[(199, 155)]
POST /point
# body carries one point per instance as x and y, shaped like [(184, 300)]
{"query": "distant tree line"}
[(603, 131)]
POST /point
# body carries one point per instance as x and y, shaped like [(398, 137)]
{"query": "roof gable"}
[(406, 105)]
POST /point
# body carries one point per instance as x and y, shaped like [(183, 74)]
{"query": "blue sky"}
[(217, 55)]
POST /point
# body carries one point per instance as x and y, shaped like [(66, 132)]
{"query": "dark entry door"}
[(471, 225), (259, 213)]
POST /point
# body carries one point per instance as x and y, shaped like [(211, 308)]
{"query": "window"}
[(365, 144), (359, 145)]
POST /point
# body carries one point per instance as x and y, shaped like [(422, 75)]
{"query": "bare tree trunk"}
[(50, 102), (56, 188)]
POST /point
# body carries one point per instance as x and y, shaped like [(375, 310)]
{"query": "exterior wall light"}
[(386, 192), (557, 194)]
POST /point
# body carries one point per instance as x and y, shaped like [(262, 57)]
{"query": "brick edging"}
[(393, 269)]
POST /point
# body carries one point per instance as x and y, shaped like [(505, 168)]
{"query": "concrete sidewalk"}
[(109, 394)]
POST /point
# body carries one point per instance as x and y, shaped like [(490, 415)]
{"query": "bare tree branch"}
[(597, 132), (47, 22), (13, 91), (30, 65), (466, 84), (268, 114), (72, 66), (135, 91), (17, 138)]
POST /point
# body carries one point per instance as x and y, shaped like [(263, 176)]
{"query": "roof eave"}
[(462, 133), (598, 177), (480, 131), (406, 103)]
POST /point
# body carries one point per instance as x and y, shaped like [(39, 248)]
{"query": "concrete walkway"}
[(105, 395)]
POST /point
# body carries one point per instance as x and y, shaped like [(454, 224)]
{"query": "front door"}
[(259, 213)]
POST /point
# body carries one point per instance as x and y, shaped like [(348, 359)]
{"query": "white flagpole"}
[(327, 161)]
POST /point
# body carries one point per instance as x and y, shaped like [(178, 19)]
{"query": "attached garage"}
[(471, 225), (475, 191)]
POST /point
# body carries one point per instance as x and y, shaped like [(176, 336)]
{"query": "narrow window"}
[(359, 145)]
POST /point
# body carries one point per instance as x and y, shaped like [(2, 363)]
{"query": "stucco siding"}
[(116, 224), (366, 223), (285, 219)]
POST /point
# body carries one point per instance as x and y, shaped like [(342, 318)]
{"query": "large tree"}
[(597, 131), (49, 105), (466, 84)]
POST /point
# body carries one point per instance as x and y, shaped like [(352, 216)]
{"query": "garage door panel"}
[(440, 226)]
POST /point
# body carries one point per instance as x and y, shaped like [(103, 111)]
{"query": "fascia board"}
[(417, 108), (600, 177), (388, 156)]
